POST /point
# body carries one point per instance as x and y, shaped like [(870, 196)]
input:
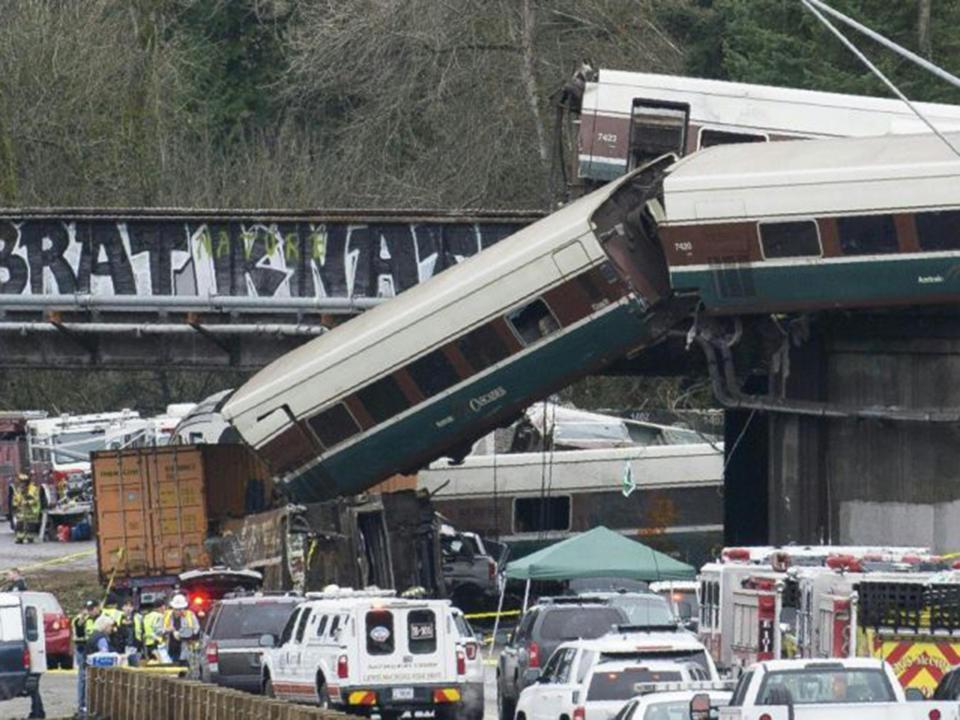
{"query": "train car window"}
[(383, 399), (789, 239), (709, 138), (541, 513), (433, 373), (334, 425), (482, 347), (533, 321), (867, 234), (939, 230)]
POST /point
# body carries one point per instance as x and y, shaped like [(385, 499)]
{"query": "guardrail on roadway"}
[(124, 694)]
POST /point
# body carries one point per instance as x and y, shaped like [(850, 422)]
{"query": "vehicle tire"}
[(505, 707), (66, 662)]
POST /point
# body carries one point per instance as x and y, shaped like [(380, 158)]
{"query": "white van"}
[(23, 655), (368, 651)]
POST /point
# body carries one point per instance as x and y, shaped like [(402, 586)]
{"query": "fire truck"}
[(14, 457), (751, 607)]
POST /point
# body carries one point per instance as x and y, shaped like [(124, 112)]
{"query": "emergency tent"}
[(600, 552)]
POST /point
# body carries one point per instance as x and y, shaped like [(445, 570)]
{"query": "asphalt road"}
[(59, 693)]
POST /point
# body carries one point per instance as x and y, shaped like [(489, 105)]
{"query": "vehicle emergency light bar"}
[(626, 629), (646, 688), (335, 591)]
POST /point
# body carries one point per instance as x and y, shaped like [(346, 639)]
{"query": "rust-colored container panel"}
[(156, 506)]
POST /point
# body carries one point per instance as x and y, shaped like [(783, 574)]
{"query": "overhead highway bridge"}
[(161, 288)]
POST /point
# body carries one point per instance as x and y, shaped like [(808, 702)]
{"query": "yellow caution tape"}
[(57, 560), (502, 613)]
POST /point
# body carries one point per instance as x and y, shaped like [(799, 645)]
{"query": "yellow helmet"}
[(23, 476)]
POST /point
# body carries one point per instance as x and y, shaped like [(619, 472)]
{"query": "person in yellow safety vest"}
[(83, 626), (111, 610), (181, 629), (26, 509), (152, 632)]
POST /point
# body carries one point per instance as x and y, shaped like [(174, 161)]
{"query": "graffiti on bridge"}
[(189, 258)]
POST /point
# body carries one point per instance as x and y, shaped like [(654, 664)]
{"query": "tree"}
[(429, 103), (778, 42)]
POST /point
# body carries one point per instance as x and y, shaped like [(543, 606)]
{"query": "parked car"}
[(592, 679), (667, 702), (23, 654), (367, 651), (56, 629), (204, 587), (541, 630), (471, 704), (234, 639)]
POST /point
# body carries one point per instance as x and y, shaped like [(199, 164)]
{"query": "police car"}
[(369, 652)]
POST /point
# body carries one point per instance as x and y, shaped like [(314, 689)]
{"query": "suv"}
[(368, 652), (592, 679), (238, 630), (641, 608), (471, 704), (541, 630)]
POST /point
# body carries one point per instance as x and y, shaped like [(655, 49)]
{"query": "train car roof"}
[(767, 107), (813, 177), (471, 275)]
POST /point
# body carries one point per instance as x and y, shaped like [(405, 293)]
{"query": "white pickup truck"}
[(853, 689)]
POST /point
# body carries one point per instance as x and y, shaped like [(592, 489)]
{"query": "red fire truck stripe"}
[(898, 652), (949, 653)]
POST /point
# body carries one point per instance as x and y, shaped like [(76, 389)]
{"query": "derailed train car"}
[(793, 227), (737, 229), (437, 367)]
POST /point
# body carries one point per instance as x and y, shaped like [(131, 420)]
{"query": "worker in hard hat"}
[(181, 629), (26, 509)]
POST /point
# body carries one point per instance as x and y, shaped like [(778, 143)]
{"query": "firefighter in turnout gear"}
[(26, 505)]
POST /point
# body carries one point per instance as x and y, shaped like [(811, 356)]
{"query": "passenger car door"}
[(554, 697), (34, 635), (281, 656), (514, 654)]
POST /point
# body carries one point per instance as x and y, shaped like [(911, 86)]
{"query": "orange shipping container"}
[(154, 507)]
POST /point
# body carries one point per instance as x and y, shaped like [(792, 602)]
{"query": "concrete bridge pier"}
[(866, 480)]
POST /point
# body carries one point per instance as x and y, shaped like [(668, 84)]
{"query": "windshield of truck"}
[(251, 620), (622, 684), (824, 685), (644, 610), (71, 447), (571, 623), (687, 657)]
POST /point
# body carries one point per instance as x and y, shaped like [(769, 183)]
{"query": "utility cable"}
[(876, 71)]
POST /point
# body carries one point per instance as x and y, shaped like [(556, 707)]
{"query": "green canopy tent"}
[(600, 552)]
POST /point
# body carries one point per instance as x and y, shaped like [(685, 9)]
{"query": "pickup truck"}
[(23, 656), (851, 689)]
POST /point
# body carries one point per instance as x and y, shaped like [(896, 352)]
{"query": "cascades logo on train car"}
[(478, 403)]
